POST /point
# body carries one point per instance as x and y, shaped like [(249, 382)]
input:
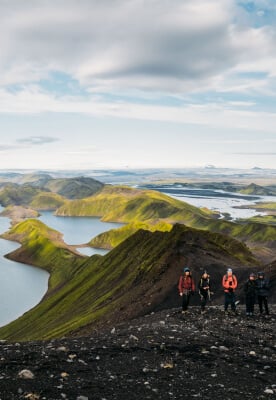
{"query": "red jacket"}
[(229, 281), (186, 284)]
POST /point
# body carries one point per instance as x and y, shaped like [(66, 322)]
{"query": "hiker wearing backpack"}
[(250, 289), (204, 290), (186, 287), (229, 283), (263, 286)]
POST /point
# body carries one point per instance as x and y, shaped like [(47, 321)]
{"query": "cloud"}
[(260, 153), (26, 142), (37, 140), (165, 46)]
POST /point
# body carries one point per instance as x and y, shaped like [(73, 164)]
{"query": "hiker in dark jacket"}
[(262, 292), (250, 289), (186, 287), (204, 290)]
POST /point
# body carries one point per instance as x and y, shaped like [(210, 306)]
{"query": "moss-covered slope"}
[(134, 278), (44, 247), (74, 188), (124, 204)]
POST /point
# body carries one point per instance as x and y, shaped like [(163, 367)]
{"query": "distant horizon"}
[(125, 169)]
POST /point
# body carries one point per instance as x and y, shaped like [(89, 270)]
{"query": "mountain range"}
[(139, 275)]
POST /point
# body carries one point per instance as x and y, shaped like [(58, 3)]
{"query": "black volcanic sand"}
[(165, 355)]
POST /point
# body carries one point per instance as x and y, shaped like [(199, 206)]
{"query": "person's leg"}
[(260, 301), (203, 301), (247, 305), (233, 299), (251, 305), (185, 302), (266, 305), (226, 301)]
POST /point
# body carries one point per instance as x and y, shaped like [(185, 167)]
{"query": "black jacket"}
[(262, 287), (250, 288)]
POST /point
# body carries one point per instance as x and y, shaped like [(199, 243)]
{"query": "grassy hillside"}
[(43, 247), (257, 190), (134, 278), (124, 204), (111, 239), (74, 188), (19, 195), (47, 201)]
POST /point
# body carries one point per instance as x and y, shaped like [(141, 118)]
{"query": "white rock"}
[(26, 374), (252, 353), (62, 348), (269, 391)]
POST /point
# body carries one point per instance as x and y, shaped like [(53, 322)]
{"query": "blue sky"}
[(134, 84)]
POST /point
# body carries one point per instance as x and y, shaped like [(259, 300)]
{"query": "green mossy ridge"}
[(43, 247), (74, 188), (47, 201), (97, 287), (113, 237), (264, 206), (13, 194), (124, 204), (261, 219)]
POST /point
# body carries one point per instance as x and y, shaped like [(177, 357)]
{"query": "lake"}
[(79, 230), (216, 200), (22, 286)]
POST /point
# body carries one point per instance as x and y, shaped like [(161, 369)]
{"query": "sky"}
[(87, 84)]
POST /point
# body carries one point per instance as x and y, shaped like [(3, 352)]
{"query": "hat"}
[(229, 270), (261, 273), (252, 274), (186, 269)]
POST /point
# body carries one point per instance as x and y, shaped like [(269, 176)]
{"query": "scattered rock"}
[(149, 359), (25, 374)]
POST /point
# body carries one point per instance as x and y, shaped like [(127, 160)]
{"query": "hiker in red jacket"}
[(229, 283), (186, 287)]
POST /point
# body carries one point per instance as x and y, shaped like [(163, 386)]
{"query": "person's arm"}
[(235, 282), (180, 289)]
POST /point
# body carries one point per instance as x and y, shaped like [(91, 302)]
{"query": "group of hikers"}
[(255, 288)]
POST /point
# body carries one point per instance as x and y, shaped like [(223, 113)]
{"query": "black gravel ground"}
[(165, 355)]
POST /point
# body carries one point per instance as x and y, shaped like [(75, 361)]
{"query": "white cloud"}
[(209, 114), (165, 46)]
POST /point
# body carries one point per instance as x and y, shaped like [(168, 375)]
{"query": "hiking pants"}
[(249, 302), (229, 298), (185, 301), (203, 299), (262, 300)]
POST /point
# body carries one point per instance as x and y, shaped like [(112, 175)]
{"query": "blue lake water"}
[(78, 230), (22, 286)]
